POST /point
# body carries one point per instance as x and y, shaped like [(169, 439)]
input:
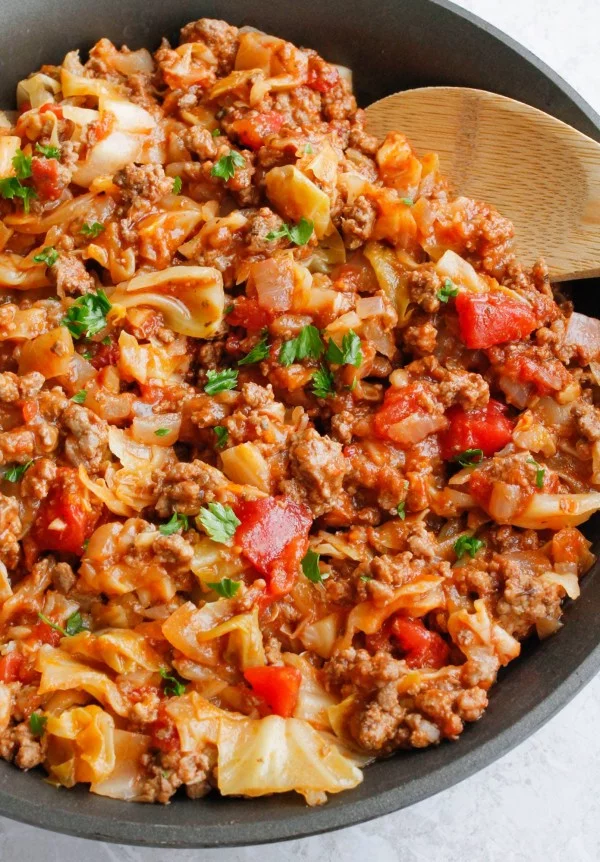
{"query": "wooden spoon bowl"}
[(536, 170)]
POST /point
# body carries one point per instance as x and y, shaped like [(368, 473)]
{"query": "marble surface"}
[(540, 802)]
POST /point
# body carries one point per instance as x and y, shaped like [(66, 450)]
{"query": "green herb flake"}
[(92, 230), (469, 458), (365, 578), (401, 510), (308, 150), (173, 686), (224, 169), (16, 472), (310, 566), (299, 233), (220, 381), (350, 352), (323, 383), (226, 588), (11, 187), (52, 625), (308, 344), (22, 165), (48, 152), (176, 522), (75, 624), (177, 185), (467, 545), (221, 434), (408, 201), (87, 354), (79, 397), (539, 473), (448, 291), (87, 315), (37, 723), (106, 341), (47, 255), (259, 352), (219, 522), (216, 133), (161, 432)]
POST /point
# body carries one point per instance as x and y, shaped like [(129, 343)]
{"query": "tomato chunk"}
[(490, 318), (163, 733), (278, 686), (486, 428), (10, 666), (422, 648), (414, 401), (322, 76), (65, 519), (252, 130), (45, 634), (249, 314), (55, 109), (273, 535), (45, 177)]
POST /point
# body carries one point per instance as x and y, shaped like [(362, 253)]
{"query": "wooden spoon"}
[(536, 170)]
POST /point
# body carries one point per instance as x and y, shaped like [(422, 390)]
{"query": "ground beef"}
[(173, 550), (420, 339), (424, 284), (18, 445), (200, 141), (525, 599), (221, 38), (318, 467), (356, 221), (70, 276), (167, 772), (87, 437), (38, 478), (587, 419), (145, 182), (10, 531), (186, 488), (18, 744), (63, 578)]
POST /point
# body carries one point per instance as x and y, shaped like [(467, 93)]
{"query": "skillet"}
[(390, 45)]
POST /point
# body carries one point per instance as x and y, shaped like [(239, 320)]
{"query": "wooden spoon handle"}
[(536, 170)]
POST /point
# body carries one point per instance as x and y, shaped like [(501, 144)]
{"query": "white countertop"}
[(540, 802)]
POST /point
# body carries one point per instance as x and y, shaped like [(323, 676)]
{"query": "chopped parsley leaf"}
[(75, 624), (323, 381), (297, 233), (220, 381), (467, 545), (22, 165), (259, 352), (224, 169), (307, 344), (161, 432), (350, 352), (401, 510), (469, 458), (219, 522), (539, 473), (11, 187), (87, 315), (221, 434), (365, 578), (172, 686), (177, 185), (408, 201), (48, 152), (37, 723), (448, 291), (92, 230), (79, 397), (16, 472), (176, 522), (308, 150), (310, 566), (47, 255), (225, 588), (216, 133)]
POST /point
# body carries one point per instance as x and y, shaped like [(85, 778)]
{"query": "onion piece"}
[(370, 306), (274, 282), (107, 157), (415, 428), (584, 332), (505, 502), (144, 429)]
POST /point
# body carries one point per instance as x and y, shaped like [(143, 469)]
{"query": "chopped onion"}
[(504, 502), (415, 428), (584, 332), (370, 306), (144, 428), (9, 144), (381, 339), (274, 282), (107, 157)]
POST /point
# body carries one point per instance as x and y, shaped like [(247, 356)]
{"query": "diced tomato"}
[(322, 76), (252, 130), (107, 354), (249, 314), (44, 633), (65, 519), (421, 647), (480, 487), (491, 318), (10, 666), (163, 733), (398, 404), (44, 173), (55, 109), (273, 535), (570, 546), (278, 686), (29, 409), (486, 428), (547, 375), (25, 106)]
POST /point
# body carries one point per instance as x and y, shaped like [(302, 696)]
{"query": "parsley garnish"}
[(308, 150), (216, 133), (539, 473), (177, 185), (16, 472), (365, 578), (176, 522), (467, 545), (408, 201), (161, 432), (10, 187), (310, 567), (221, 434), (87, 315), (469, 458), (172, 686), (225, 588), (48, 152), (37, 723), (350, 352), (106, 341), (401, 510), (87, 354), (79, 397), (220, 381), (297, 233), (448, 290), (219, 521), (47, 255), (259, 352), (92, 230), (22, 165), (307, 344), (323, 383), (75, 624), (225, 167)]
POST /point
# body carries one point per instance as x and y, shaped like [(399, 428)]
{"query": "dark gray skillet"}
[(391, 45)]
